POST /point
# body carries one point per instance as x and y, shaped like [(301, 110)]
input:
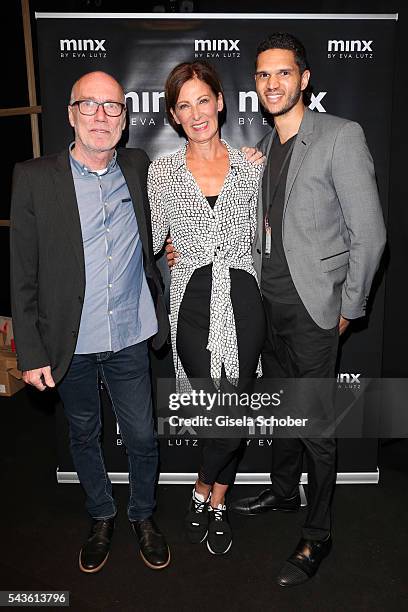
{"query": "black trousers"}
[(296, 347), (220, 456)]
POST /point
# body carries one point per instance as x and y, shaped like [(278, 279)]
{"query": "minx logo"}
[(248, 102), (216, 45), (349, 45), (82, 45), (352, 379), (145, 101)]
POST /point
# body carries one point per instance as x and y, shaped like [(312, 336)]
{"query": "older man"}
[(86, 298)]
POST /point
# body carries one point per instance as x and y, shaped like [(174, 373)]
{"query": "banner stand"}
[(242, 478), (348, 53)]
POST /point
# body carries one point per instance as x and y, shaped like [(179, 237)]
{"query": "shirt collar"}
[(236, 158), (84, 170)]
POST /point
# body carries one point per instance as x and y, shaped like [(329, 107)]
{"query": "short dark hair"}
[(182, 73), (284, 40)]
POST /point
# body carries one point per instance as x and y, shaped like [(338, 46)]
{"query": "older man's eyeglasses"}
[(90, 107)]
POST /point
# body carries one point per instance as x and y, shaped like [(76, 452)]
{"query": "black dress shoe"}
[(95, 552), (153, 547), (304, 562), (265, 501)]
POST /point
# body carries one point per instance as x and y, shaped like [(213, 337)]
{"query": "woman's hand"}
[(254, 156), (171, 254)]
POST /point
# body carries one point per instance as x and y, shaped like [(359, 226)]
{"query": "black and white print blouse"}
[(221, 236)]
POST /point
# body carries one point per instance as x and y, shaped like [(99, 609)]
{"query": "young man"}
[(318, 245), (86, 297)]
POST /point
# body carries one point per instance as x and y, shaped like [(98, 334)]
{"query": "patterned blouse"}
[(221, 236)]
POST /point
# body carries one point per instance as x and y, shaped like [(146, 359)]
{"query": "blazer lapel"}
[(130, 172), (303, 141), (67, 201)]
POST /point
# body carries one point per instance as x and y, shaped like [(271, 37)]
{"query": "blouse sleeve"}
[(160, 223), (253, 202)]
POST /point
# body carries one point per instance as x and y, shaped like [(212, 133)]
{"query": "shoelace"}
[(198, 505), (100, 528), (218, 517), (218, 513)]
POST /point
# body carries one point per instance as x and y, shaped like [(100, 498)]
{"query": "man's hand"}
[(253, 155), (343, 325), (40, 378), (171, 254)]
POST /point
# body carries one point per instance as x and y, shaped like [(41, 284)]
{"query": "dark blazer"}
[(47, 258)]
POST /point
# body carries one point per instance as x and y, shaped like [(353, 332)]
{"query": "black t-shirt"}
[(277, 284)]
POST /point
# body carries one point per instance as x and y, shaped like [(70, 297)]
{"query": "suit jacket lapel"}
[(67, 201), (303, 140), (130, 172)]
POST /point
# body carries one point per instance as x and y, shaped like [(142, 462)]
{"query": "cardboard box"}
[(10, 377)]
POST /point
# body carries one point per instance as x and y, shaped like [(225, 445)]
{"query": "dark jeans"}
[(296, 347), (126, 377)]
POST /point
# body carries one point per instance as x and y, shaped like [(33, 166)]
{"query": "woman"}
[(206, 195)]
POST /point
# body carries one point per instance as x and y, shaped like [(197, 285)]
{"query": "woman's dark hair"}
[(183, 73)]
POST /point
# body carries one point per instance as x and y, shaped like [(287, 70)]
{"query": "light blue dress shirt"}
[(118, 309)]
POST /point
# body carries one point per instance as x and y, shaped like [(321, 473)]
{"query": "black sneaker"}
[(219, 539), (196, 521)]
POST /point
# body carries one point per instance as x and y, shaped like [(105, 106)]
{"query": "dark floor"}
[(44, 524)]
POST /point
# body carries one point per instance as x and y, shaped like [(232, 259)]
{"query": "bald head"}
[(96, 133), (99, 82)]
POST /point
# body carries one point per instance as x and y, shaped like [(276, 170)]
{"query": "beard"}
[(290, 103)]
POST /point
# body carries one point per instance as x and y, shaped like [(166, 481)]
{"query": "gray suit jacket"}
[(333, 230)]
